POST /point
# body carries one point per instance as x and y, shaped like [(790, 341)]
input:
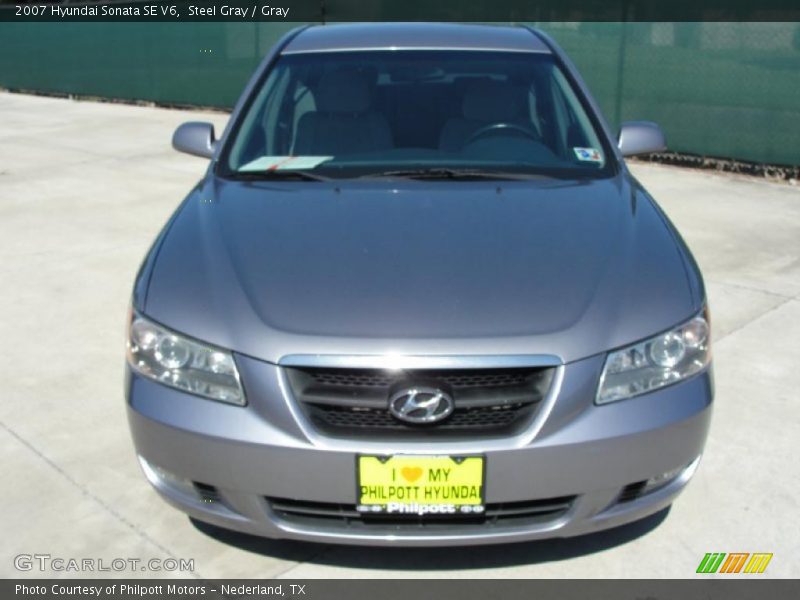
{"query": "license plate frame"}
[(456, 478)]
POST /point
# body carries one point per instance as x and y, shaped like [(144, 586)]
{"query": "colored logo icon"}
[(734, 562)]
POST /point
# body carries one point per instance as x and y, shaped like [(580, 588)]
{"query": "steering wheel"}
[(500, 127)]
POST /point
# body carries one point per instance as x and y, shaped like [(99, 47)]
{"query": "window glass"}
[(351, 114)]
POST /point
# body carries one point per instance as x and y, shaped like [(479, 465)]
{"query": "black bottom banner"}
[(405, 589)]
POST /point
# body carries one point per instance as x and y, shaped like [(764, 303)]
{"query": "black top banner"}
[(401, 10)]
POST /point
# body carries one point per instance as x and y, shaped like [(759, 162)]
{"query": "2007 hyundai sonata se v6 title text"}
[(418, 299)]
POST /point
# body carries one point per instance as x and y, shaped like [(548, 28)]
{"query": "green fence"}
[(204, 64), (718, 89)]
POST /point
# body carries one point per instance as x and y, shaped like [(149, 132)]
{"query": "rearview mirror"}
[(195, 138), (641, 137)]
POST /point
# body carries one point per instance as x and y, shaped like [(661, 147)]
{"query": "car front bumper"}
[(245, 457)]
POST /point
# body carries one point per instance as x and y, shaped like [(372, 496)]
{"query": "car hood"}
[(554, 267)]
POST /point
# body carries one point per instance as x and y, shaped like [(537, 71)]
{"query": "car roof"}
[(415, 36)]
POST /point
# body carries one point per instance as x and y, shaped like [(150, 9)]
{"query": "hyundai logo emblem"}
[(420, 404)]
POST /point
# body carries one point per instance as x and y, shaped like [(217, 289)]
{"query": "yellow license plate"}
[(420, 485)]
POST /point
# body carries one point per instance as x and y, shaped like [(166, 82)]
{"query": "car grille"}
[(379, 378), (353, 403), (345, 515)]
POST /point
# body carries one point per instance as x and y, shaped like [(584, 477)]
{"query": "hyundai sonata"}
[(418, 299)]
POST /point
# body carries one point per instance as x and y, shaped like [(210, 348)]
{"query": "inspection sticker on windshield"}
[(420, 485), (279, 163), (588, 154)]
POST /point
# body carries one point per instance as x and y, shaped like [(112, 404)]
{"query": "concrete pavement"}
[(85, 187)]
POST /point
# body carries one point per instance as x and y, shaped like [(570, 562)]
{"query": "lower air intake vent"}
[(346, 515)]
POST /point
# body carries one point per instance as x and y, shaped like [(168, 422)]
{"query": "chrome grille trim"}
[(411, 361)]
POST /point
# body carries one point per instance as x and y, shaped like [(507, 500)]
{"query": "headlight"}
[(174, 360), (654, 363)]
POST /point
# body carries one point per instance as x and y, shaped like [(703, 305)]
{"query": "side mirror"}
[(641, 137), (195, 138)]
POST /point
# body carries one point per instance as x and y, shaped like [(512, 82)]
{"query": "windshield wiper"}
[(446, 173), (279, 175)]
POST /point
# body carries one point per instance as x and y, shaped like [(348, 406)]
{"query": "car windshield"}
[(407, 113)]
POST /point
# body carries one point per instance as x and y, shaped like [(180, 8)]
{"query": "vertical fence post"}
[(623, 43)]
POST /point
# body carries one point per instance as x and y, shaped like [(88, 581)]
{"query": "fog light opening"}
[(638, 489), (168, 481), (208, 493), (659, 481)]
